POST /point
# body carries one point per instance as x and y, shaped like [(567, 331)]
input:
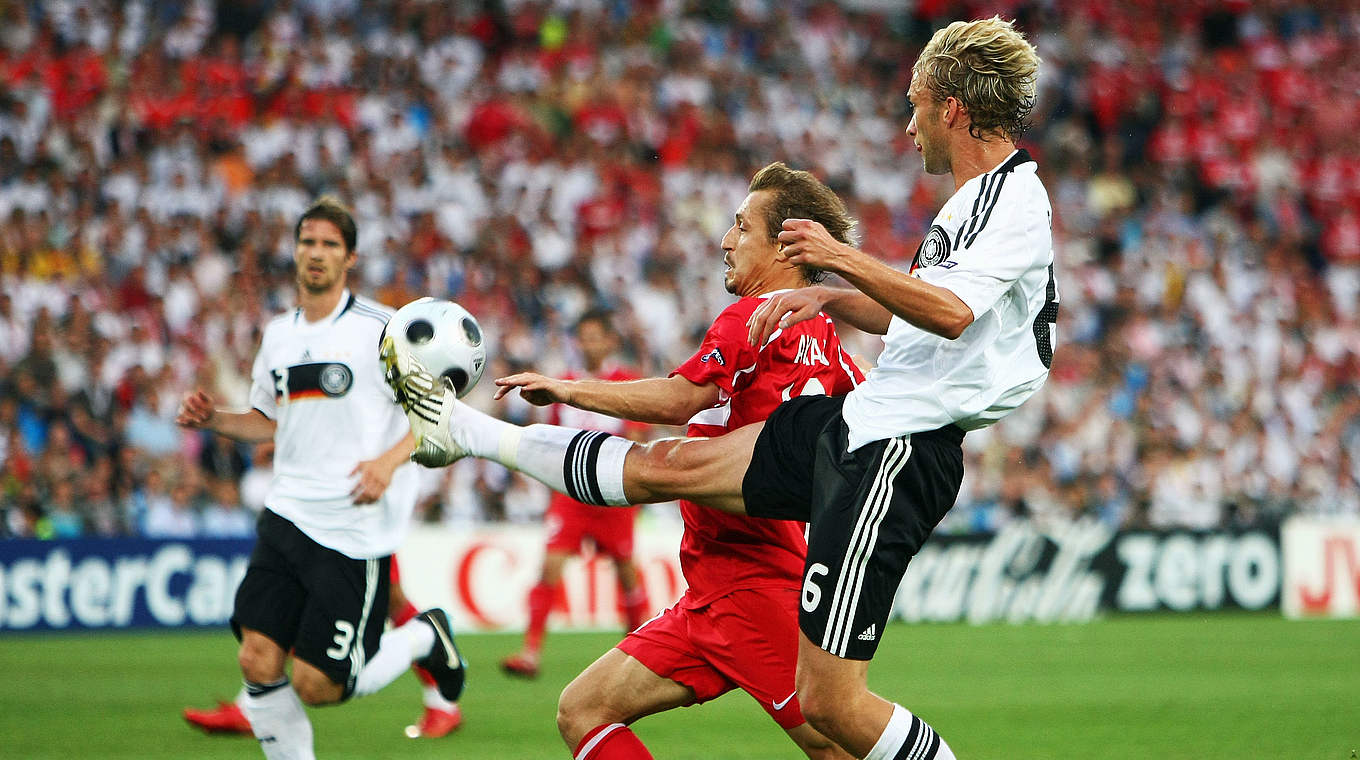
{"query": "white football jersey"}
[(992, 246), (322, 383)]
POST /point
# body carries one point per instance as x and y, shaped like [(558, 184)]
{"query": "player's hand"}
[(374, 476), (783, 310), (533, 387), (807, 243), (196, 411)]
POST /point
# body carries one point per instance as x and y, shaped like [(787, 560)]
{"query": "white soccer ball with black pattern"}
[(444, 337)]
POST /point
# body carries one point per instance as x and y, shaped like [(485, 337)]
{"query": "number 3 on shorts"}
[(344, 637), (812, 593)]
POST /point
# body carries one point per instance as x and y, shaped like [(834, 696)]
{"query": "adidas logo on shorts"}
[(870, 633)]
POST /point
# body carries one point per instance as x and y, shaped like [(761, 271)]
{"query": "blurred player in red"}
[(570, 523), (737, 624), (441, 717)]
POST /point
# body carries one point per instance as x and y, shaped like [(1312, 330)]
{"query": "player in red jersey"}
[(440, 718), (736, 626), (570, 523)]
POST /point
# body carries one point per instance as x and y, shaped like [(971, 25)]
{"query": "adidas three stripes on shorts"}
[(869, 511)]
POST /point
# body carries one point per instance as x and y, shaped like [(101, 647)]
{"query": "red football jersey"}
[(721, 552)]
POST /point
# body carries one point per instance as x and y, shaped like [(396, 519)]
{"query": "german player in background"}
[(968, 337), (570, 523), (736, 625), (316, 589), (439, 718)]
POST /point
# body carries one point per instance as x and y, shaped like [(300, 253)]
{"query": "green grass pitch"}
[(1214, 686)]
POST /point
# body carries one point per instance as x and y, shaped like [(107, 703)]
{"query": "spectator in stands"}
[(224, 516), (176, 514), (99, 501), (61, 514)]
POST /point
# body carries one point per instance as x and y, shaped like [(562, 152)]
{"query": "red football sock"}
[(612, 741), (401, 617), (540, 604), (423, 675), (635, 607)]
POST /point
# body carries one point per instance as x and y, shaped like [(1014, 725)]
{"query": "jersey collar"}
[(1017, 157), (346, 301)]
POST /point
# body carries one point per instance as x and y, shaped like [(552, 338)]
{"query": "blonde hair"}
[(988, 66)]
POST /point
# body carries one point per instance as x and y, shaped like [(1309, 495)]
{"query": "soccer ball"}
[(443, 337)]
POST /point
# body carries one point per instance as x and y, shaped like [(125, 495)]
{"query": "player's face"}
[(925, 128), (321, 256), (596, 343), (749, 252)]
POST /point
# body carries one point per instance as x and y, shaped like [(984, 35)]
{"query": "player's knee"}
[(315, 689), (577, 713), (823, 709), (259, 662), (569, 717), (641, 472), (660, 467)]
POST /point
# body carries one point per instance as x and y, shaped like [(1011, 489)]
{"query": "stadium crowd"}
[(532, 159)]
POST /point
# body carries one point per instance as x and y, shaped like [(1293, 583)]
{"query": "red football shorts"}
[(570, 523), (746, 640)]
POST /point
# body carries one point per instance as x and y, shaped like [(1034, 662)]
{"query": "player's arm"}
[(658, 400), (930, 307), (794, 306), (198, 412), (374, 475)]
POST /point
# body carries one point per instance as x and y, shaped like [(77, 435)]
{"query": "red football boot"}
[(436, 723), (520, 664), (226, 718)]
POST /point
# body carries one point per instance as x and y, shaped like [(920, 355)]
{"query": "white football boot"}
[(429, 402)]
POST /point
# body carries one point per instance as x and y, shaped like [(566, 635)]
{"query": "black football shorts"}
[(328, 608), (869, 512)]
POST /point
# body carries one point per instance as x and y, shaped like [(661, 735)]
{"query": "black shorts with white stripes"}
[(870, 511), (328, 608)]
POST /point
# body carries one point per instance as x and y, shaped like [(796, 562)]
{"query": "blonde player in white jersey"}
[(968, 337), (316, 589)]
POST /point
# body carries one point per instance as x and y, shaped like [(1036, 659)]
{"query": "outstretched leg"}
[(587, 465), (706, 471)]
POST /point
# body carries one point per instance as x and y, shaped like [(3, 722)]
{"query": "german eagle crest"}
[(934, 249)]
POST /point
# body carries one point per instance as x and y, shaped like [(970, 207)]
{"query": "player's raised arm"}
[(539, 390), (930, 307), (659, 400), (784, 310)]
